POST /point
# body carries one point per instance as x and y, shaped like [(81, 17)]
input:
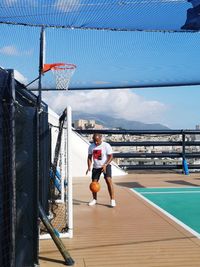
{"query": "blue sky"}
[(182, 105), (106, 58), (178, 108)]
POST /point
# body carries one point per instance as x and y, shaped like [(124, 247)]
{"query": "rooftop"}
[(134, 233)]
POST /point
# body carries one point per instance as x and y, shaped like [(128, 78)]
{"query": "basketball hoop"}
[(62, 73)]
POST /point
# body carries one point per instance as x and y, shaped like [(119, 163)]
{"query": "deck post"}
[(184, 161)]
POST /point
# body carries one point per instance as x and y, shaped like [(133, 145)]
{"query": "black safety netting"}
[(100, 14), (19, 173), (114, 44)]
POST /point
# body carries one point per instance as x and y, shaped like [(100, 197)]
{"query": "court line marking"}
[(186, 227), (170, 187), (172, 192)]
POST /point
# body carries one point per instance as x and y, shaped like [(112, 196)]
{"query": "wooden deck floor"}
[(132, 234)]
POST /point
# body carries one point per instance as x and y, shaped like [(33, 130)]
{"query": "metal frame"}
[(68, 173)]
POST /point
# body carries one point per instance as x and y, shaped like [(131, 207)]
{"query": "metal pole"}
[(69, 172), (41, 59), (39, 100), (68, 260)]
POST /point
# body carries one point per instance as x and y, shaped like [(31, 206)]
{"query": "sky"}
[(107, 58), (177, 107)]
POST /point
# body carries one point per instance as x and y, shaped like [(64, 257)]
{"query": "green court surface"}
[(180, 204)]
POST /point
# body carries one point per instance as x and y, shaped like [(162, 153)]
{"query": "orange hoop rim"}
[(58, 66)]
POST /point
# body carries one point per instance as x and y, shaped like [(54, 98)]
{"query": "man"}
[(101, 154)]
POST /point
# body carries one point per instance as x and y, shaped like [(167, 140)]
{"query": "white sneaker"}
[(92, 202), (113, 203)]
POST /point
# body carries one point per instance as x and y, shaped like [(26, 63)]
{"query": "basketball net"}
[(62, 73)]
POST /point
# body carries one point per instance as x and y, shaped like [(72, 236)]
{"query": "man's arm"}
[(108, 161), (89, 163)]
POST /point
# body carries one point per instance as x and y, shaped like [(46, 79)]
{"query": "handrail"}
[(156, 155), (137, 132), (157, 167), (183, 143), (154, 143)]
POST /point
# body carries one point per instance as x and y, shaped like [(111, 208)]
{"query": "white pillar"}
[(69, 172)]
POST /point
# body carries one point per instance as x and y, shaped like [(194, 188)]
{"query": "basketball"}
[(94, 187)]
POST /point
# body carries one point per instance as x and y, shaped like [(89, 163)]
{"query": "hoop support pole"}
[(32, 82), (41, 58)]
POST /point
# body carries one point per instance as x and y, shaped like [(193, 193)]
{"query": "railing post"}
[(184, 161)]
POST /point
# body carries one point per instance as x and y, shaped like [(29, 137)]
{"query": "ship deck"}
[(134, 233)]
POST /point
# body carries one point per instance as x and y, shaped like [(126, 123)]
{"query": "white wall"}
[(79, 148)]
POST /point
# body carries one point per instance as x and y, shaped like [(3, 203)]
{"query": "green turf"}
[(169, 189), (182, 203)]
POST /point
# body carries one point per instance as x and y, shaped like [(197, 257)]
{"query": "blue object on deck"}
[(58, 175), (59, 178), (185, 167), (56, 180)]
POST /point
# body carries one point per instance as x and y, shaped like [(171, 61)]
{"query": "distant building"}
[(98, 126), (87, 124), (197, 136), (80, 124)]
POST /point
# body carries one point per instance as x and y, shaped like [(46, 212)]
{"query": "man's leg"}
[(95, 178), (94, 194), (108, 179), (110, 187)]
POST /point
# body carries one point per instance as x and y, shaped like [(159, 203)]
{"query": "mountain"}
[(110, 122)]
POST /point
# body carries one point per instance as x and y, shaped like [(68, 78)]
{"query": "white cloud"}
[(116, 103), (67, 5), (9, 50), (12, 50)]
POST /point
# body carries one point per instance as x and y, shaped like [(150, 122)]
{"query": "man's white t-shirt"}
[(99, 153)]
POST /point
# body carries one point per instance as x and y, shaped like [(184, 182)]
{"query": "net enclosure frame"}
[(19, 195), (61, 192)]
